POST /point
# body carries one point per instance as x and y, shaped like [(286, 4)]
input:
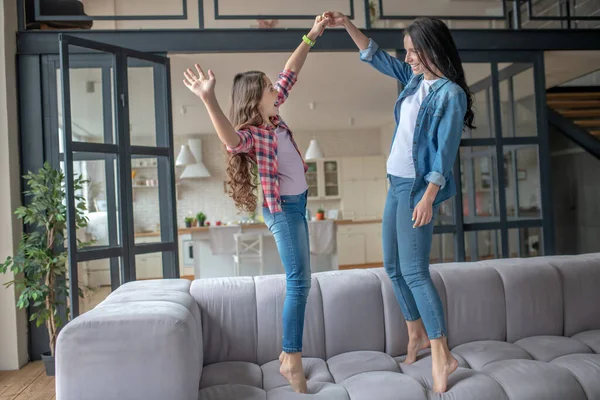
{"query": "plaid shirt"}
[(260, 142)]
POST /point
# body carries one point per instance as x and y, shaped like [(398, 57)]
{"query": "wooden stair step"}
[(574, 103), (595, 133), (594, 112), (573, 95), (588, 122)]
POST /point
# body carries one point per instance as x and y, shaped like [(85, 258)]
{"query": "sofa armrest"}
[(137, 344)]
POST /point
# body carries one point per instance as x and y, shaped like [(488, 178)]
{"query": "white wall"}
[(13, 323)]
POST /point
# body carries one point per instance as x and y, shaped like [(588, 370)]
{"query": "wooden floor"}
[(28, 383)]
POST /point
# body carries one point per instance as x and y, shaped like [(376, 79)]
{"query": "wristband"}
[(308, 41)]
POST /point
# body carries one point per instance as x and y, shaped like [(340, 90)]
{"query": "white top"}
[(292, 180), (400, 161)]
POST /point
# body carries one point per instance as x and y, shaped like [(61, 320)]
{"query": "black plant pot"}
[(188, 224), (48, 363), (201, 222)]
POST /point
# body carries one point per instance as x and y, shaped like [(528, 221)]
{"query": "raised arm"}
[(296, 60), (370, 51), (204, 87)]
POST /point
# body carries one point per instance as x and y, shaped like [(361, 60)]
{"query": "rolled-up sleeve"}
[(246, 142), (367, 54), (285, 82)]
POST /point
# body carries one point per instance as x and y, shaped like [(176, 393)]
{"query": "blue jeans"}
[(290, 230), (406, 259)]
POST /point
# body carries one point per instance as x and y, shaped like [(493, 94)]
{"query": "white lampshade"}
[(185, 156), (314, 151)]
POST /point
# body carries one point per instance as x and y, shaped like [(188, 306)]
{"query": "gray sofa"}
[(520, 328)]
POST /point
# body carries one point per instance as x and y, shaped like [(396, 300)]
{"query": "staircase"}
[(575, 111), (582, 108)]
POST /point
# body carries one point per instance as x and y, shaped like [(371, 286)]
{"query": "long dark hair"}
[(432, 38), (246, 94)]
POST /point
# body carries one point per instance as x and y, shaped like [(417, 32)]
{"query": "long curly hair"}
[(242, 172)]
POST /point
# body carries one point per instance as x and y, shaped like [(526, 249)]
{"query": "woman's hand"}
[(321, 21), (201, 85), (423, 213), (336, 18)]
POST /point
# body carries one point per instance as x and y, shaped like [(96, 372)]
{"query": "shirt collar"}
[(437, 85)]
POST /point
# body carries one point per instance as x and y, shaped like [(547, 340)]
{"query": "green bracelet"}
[(308, 41)]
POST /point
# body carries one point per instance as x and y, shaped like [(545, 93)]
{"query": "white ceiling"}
[(341, 86)]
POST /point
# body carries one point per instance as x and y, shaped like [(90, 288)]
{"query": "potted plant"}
[(188, 222), (201, 218), (40, 264), (320, 214)]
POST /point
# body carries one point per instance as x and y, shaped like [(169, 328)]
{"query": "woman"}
[(258, 140), (430, 113)]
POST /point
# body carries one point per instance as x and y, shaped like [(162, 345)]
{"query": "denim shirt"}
[(439, 124)]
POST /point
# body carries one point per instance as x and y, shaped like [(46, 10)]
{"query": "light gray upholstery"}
[(131, 350), (590, 339), (315, 370), (525, 329), (586, 368), (474, 292), (228, 309), (479, 354), (580, 282), (352, 311), (533, 293), (547, 348), (344, 366), (384, 386), (535, 380), (270, 294)]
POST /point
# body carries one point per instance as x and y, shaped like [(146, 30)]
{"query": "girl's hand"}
[(201, 85), (336, 18), (321, 22), (423, 213)]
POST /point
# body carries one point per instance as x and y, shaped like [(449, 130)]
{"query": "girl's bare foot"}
[(414, 346), (443, 364), (291, 368)]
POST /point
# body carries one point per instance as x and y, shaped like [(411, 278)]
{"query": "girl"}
[(430, 113), (257, 136)]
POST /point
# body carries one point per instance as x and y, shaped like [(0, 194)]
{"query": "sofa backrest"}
[(356, 309)]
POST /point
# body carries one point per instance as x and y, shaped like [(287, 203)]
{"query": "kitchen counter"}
[(198, 229)]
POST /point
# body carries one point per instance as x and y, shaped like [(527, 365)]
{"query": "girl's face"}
[(267, 102)]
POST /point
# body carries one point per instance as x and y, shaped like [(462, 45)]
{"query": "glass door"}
[(114, 127)]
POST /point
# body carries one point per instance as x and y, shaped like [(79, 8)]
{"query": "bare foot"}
[(281, 358), (414, 346), (441, 370), (291, 368)]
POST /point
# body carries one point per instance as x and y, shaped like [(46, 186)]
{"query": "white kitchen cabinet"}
[(374, 168), (148, 266), (363, 187), (359, 244), (374, 250), (351, 247), (323, 178), (375, 192), (353, 202)]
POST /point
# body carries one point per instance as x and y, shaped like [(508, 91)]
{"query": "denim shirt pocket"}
[(434, 109)]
